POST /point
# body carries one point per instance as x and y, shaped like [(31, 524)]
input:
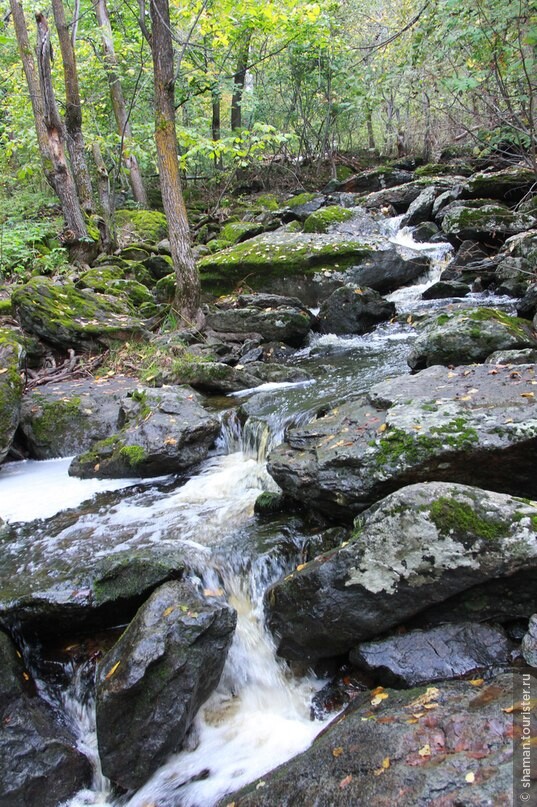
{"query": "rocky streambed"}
[(308, 538)]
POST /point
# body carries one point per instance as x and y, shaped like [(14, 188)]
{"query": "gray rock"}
[(351, 309), (463, 337), (445, 289), (527, 307), (375, 179), (417, 547), (467, 425), (153, 681), (509, 185), (459, 752), (385, 271), (39, 761), (425, 232), (482, 220), (421, 208), (62, 419), (529, 643), (162, 431), (11, 387), (527, 356), (277, 321), (419, 657)]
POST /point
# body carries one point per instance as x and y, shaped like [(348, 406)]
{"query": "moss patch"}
[(140, 225), (452, 516), (321, 220)]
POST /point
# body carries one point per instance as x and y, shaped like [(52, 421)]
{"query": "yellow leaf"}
[(430, 706), (430, 695), (425, 751), (379, 698), (26, 676), (110, 672), (168, 610), (417, 714), (411, 720), (470, 777), (382, 428), (337, 752), (477, 682), (213, 592), (170, 441), (465, 398), (527, 395), (386, 763)]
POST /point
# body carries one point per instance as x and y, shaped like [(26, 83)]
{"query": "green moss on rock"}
[(321, 220), (141, 225), (453, 516)]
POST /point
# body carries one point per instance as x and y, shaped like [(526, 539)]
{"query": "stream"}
[(259, 716)]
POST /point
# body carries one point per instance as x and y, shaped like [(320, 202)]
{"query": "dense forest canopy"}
[(294, 79)]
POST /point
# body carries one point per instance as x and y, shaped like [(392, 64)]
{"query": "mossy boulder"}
[(466, 425), (275, 318), (509, 185), (463, 337), (112, 280), (140, 225), (162, 431), (65, 418), (301, 206), (417, 547), (270, 258), (165, 288), (321, 220), (68, 317), (153, 681), (206, 376), (233, 232), (11, 387), (482, 220)]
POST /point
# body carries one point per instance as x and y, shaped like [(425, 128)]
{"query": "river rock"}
[(64, 418), (444, 289), (351, 309), (153, 681), (282, 319), (527, 306), (418, 546), (39, 760), (510, 185), (11, 387), (162, 431), (375, 179), (467, 425), (458, 752), (421, 208), (419, 657), (529, 643), (482, 220), (299, 207), (463, 337), (385, 271), (68, 317)]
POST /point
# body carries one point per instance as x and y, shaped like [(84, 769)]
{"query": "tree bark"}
[(32, 80), (239, 78), (118, 104), (103, 184), (63, 181), (73, 111), (187, 299)]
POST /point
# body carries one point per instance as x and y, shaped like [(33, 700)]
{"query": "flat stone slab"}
[(476, 425)]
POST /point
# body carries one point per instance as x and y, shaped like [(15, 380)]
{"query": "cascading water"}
[(259, 716)]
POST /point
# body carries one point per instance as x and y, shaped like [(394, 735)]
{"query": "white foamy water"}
[(39, 489)]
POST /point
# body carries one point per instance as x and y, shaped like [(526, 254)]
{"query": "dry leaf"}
[(382, 428), (477, 682), (213, 592), (110, 672), (346, 781), (431, 694), (379, 698), (337, 752), (527, 395), (300, 567), (430, 706), (168, 610), (425, 751)]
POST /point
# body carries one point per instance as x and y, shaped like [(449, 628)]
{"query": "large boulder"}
[(162, 431), (421, 208), (448, 651), (62, 419), (266, 261), (71, 318), (509, 185), (375, 179), (386, 270), (11, 387), (153, 681), (351, 309), (419, 546), (483, 220), (474, 425), (389, 749), (39, 759), (464, 337), (275, 318)]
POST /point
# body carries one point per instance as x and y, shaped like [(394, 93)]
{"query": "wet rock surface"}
[(418, 657), (413, 549), (39, 760), (475, 425), (351, 309), (153, 681), (529, 643), (163, 431), (11, 387), (275, 318), (389, 747)]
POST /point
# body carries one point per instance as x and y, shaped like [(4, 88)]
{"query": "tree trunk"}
[(32, 80), (216, 123), (118, 104), (103, 184), (187, 299), (73, 111), (239, 78), (63, 180)]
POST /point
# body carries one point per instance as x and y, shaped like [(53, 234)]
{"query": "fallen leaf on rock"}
[(470, 777), (346, 781), (384, 766), (337, 752), (477, 682), (527, 395), (425, 751), (110, 672), (379, 698), (430, 694)]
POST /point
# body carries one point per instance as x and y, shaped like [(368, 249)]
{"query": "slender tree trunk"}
[(63, 180), (239, 78), (370, 133), (32, 80), (118, 104), (103, 184), (216, 123), (73, 110), (187, 300)]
